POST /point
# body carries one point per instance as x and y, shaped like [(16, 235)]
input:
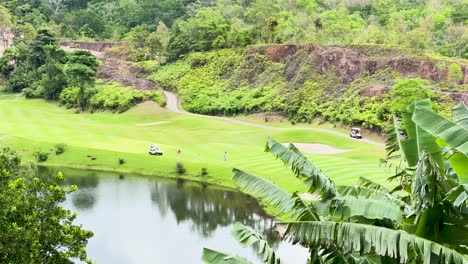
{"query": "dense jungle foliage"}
[(41, 69), (176, 27)]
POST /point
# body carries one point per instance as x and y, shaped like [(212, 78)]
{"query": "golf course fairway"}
[(30, 125)]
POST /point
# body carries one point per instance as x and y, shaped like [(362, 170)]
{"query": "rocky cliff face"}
[(92, 46), (351, 62), (114, 67)]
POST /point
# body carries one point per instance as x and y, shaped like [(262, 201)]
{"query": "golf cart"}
[(355, 133), (154, 150)]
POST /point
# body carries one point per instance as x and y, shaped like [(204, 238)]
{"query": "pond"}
[(141, 220)]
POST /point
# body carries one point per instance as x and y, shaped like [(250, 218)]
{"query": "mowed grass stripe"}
[(202, 141)]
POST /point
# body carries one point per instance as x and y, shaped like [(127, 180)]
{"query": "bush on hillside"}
[(203, 172), (40, 156), (110, 96), (59, 148), (180, 169)]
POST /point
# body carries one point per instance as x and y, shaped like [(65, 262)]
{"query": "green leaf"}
[(347, 207), (426, 142), (396, 142), (366, 239), (458, 195), (460, 115), (454, 234), (246, 238), (454, 134), (364, 182), (317, 182), (214, 257), (264, 190), (302, 211), (459, 164)]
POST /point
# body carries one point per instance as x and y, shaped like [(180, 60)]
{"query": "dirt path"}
[(173, 105)]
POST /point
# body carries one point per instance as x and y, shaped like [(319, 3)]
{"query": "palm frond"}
[(264, 190), (246, 238), (215, 257), (460, 115), (366, 239), (317, 182)]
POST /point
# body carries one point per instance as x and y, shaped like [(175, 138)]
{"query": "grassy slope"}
[(30, 124)]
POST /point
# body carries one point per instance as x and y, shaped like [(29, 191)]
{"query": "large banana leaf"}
[(367, 239), (460, 115), (426, 142), (264, 190), (459, 164), (302, 211), (364, 182), (455, 135), (347, 207), (377, 194), (246, 238), (214, 257), (314, 178), (458, 196), (396, 142)]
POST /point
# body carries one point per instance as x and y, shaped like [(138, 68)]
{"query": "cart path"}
[(173, 105)]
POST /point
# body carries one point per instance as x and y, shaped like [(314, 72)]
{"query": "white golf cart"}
[(154, 150), (355, 133)]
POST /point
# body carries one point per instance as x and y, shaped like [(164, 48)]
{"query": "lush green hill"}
[(351, 85)]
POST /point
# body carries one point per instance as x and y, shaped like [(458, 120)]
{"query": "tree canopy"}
[(197, 25), (34, 228)]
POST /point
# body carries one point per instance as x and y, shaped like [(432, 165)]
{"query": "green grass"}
[(27, 125)]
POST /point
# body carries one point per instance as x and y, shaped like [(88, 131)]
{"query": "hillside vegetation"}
[(358, 85), (176, 27), (367, 59)]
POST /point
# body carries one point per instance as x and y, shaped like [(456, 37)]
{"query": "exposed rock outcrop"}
[(351, 62), (114, 68)]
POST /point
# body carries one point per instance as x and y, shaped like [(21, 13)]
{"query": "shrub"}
[(28, 93), (203, 172), (121, 161), (41, 156), (59, 148), (180, 169)]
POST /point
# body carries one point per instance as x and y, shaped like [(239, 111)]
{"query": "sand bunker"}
[(317, 148), (153, 123)]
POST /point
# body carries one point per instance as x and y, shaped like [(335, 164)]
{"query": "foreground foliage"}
[(423, 220), (33, 227)]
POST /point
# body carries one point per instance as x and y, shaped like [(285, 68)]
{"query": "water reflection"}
[(85, 197), (139, 220), (207, 208)]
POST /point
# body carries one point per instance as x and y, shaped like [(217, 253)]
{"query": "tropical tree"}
[(34, 228), (81, 69), (423, 220)]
